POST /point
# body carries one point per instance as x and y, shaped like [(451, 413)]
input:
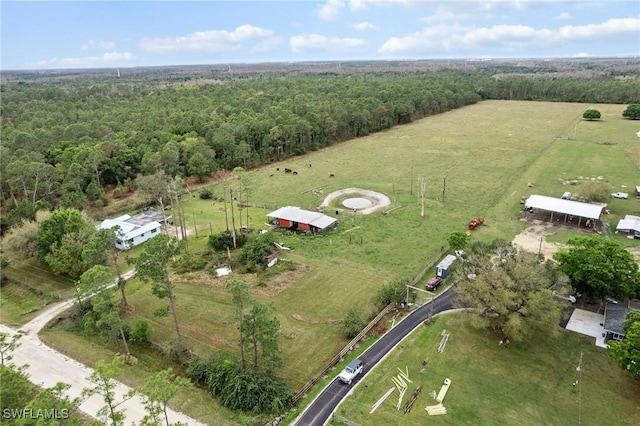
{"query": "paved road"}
[(46, 367), (320, 410)]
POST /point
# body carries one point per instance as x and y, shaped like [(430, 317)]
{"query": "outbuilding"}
[(442, 269), (630, 225), (556, 210), (295, 218)]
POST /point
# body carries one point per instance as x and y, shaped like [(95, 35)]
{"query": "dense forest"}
[(68, 136)]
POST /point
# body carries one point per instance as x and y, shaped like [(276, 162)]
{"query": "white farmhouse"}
[(134, 230)]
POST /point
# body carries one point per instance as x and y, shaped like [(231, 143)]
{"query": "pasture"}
[(487, 152), (527, 383), (477, 161)]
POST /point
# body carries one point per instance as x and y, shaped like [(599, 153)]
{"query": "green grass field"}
[(31, 287), (487, 153), (528, 383)]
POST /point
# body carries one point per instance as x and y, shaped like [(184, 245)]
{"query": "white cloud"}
[(564, 16), (316, 42), (364, 26), (357, 5), (581, 55), (106, 60), (266, 45), (92, 44), (443, 38), (330, 10), (212, 41), (454, 12)]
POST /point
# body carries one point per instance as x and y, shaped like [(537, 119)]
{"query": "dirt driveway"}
[(533, 239)]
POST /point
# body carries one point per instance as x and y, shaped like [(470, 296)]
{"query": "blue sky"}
[(83, 34)]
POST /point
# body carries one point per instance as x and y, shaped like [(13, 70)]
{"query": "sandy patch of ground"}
[(380, 201), (533, 239)]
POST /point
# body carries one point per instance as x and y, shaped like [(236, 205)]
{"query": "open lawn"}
[(30, 287), (527, 383)]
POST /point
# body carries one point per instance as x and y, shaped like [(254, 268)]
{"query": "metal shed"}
[(442, 270)]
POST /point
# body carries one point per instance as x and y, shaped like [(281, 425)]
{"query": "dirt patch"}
[(300, 318), (379, 201), (533, 240)]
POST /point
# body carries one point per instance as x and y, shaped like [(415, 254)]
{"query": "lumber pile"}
[(436, 410), (416, 393)]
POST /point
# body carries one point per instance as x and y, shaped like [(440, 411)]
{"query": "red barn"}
[(295, 218)]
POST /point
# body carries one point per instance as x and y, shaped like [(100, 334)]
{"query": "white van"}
[(566, 196)]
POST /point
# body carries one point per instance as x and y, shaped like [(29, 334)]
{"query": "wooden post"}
[(233, 222), (444, 188), (195, 226)]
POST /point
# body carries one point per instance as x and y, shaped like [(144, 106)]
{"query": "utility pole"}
[(226, 216), (423, 189), (233, 222)]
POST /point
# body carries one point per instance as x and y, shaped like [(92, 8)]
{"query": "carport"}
[(546, 208)]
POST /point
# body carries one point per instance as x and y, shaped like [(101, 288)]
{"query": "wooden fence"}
[(365, 330), (342, 353)]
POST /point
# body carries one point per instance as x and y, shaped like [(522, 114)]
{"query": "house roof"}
[(629, 223), (614, 315), (446, 262), (558, 205), (125, 227), (296, 214)]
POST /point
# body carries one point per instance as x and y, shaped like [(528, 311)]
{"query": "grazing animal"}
[(271, 175), (277, 169), (287, 170), (332, 175), (295, 173), (309, 164)]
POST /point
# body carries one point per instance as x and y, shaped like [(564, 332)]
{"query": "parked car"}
[(622, 195), (433, 283), (351, 371)]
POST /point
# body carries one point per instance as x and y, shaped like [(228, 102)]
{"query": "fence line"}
[(428, 266), (364, 331), (341, 354)]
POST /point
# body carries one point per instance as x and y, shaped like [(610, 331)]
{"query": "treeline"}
[(64, 142)]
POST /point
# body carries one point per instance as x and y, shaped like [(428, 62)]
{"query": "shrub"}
[(141, 332), (206, 194), (352, 324), (224, 240), (394, 292)]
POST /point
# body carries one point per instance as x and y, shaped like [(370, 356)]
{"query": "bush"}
[(206, 194), (175, 350), (190, 262), (141, 332), (352, 324), (224, 240), (591, 114), (394, 292), (253, 390)]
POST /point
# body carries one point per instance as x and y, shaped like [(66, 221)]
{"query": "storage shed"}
[(442, 270), (630, 224), (295, 218)]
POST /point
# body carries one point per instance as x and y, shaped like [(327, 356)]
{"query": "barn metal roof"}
[(296, 214), (558, 205), (629, 223)]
